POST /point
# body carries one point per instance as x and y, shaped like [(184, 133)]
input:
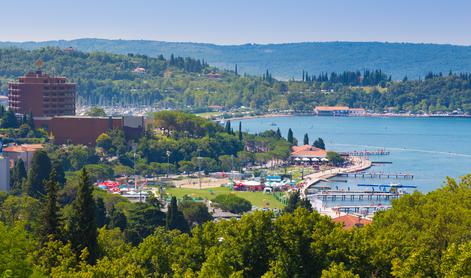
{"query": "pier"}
[(355, 195), (377, 175), (367, 153)]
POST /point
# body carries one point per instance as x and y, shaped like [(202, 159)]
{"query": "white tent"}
[(314, 159), (306, 159), (297, 159), (324, 159)]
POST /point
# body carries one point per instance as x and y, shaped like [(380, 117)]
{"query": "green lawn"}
[(208, 114), (257, 199)]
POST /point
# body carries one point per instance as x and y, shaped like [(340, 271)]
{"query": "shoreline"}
[(362, 116)]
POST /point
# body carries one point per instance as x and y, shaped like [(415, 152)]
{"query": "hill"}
[(287, 61)]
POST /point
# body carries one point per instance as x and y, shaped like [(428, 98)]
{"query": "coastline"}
[(387, 115)]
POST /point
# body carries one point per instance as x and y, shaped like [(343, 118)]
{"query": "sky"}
[(239, 21)]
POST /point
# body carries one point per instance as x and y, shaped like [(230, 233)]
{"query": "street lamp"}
[(199, 169)]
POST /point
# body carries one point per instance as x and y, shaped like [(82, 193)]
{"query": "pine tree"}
[(39, 172), (82, 229), (175, 218), (240, 131), (50, 219), (18, 177), (290, 137), (236, 72), (306, 139)]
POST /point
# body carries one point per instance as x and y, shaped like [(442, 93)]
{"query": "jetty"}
[(367, 153), (355, 195), (377, 175), (358, 164)]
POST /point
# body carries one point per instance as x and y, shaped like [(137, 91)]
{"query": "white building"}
[(4, 101), (4, 174)]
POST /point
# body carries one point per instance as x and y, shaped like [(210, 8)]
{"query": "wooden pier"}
[(354, 195), (377, 175)]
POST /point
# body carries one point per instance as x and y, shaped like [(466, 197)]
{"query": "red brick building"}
[(41, 94), (85, 130)]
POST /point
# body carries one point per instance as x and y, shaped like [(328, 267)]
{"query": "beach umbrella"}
[(297, 159), (306, 159), (314, 159)]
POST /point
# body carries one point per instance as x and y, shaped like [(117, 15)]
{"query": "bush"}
[(232, 203)]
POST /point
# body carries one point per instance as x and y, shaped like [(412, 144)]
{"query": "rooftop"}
[(23, 148), (349, 221), (332, 108), (307, 151)]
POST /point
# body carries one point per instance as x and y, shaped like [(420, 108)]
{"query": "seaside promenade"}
[(358, 164)]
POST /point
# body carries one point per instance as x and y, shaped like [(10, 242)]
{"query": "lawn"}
[(257, 199)]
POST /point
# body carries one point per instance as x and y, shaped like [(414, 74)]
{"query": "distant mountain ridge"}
[(290, 59)]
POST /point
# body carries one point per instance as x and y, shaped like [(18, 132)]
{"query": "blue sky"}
[(239, 21)]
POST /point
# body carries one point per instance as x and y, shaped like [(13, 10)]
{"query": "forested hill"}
[(289, 60), (187, 83)]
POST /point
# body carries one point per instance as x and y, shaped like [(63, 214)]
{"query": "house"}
[(139, 70), (24, 152), (349, 221), (331, 110), (356, 112), (308, 153)]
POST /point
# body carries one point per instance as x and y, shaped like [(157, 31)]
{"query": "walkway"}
[(358, 164)]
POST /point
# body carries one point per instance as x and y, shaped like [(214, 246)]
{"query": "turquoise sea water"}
[(429, 148)]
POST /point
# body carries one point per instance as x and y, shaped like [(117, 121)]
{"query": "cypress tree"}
[(100, 212), (50, 218), (228, 127), (319, 143), (38, 174), (57, 166), (175, 218), (82, 231), (240, 131), (31, 121), (278, 133), (290, 137), (18, 177), (306, 139)]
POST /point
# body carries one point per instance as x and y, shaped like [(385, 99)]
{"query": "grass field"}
[(258, 199), (208, 114)]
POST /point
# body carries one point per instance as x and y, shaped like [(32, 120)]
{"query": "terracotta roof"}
[(332, 108), (23, 148), (349, 221), (307, 151)]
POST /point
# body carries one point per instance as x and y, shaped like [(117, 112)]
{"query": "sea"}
[(431, 149)]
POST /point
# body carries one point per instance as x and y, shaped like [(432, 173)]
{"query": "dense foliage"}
[(423, 235), (185, 83), (289, 59)]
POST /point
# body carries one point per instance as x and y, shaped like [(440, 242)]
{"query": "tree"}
[(175, 218), (195, 213), (50, 224), (60, 174), (290, 137), (335, 158), (232, 203), (117, 219), (278, 133), (240, 131), (82, 226), (104, 141), (100, 212), (227, 128), (38, 174), (295, 201), (18, 177), (96, 112), (9, 120), (306, 139), (319, 143)]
